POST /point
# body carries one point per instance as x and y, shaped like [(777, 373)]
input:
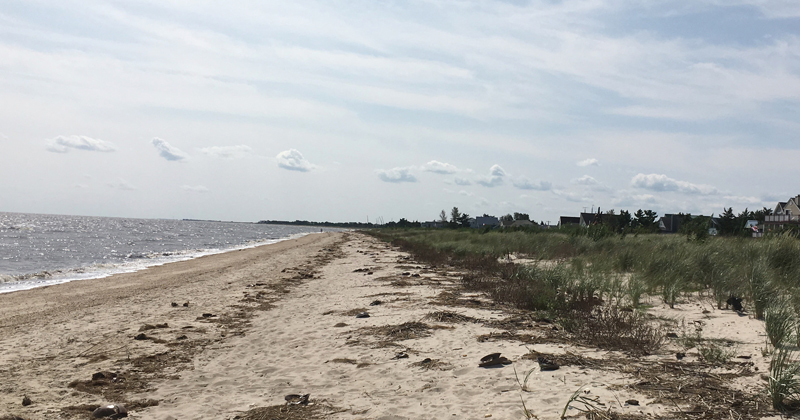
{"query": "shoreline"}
[(61, 276)]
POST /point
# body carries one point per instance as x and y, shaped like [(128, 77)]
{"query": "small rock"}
[(362, 315), (672, 335), (415, 275), (113, 411), (295, 399), (632, 402), (406, 273), (141, 336), (401, 355), (680, 355), (174, 304), (426, 360), (26, 401), (208, 315), (183, 337), (375, 303), (185, 304)]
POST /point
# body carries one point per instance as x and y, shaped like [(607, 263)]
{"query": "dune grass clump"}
[(613, 328)]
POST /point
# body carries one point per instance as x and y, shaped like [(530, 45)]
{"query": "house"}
[(787, 212), (588, 219), (482, 221), (523, 223), (669, 223), (568, 221)]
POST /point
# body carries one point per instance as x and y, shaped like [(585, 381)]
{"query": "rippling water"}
[(38, 250)]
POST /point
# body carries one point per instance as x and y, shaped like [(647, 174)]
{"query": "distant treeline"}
[(352, 225)]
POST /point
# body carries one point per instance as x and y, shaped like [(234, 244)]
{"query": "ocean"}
[(40, 249)]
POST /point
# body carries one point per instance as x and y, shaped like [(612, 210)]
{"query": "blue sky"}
[(348, 110)]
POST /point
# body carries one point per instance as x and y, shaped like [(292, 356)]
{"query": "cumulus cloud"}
[(496, 176), (396, 175), (168, 151), (439, 167), (661, 182), (462, 181), (585, 180), (525, 184), (293, 160), (589, 162), (194, 188), (227, 152), (121, 184), (62, 144)]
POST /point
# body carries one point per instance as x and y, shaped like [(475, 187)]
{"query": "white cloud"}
[(661, 182), (227, 152), (195, 188), (396, 175), (465, 193), (293, 160), (495, 178), (62, 144), (462, 181), (167, 151), (585, 180), (525, 184), (121, 184), (440, 167), (589, 162)]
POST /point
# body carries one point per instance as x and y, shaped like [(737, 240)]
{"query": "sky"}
[(378, 110)]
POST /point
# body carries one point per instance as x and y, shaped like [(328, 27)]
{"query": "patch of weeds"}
[(449, 317), (716, 354), (612, 328), (312, 411), (784, 379)]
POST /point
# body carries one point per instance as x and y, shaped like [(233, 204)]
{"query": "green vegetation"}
[(592, 284), (617, 267)]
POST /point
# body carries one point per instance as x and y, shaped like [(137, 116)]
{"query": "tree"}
[(463, 220), (645, 220), (727, 222), (507, 218), (454, 215), (443, 217), (521, 216)]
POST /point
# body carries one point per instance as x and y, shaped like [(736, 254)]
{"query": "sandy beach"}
[(230, 335)]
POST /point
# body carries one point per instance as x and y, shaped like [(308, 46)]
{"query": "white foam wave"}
[(101, 270)]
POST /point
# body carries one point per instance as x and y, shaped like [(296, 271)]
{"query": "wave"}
[(131, 263)]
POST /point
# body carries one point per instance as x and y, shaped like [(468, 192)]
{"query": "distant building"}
[(482, 221), (588, 219), (669, 223), (523, 223), (786, 213), (568, 221)]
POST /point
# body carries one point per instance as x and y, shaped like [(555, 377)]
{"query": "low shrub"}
[(613, 328)]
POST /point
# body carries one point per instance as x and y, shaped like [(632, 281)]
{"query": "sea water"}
[(39, 250)]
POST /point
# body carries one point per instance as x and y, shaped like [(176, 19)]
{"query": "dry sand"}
[(283, 322)]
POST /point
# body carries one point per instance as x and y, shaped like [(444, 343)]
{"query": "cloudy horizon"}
[(349, 111)]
